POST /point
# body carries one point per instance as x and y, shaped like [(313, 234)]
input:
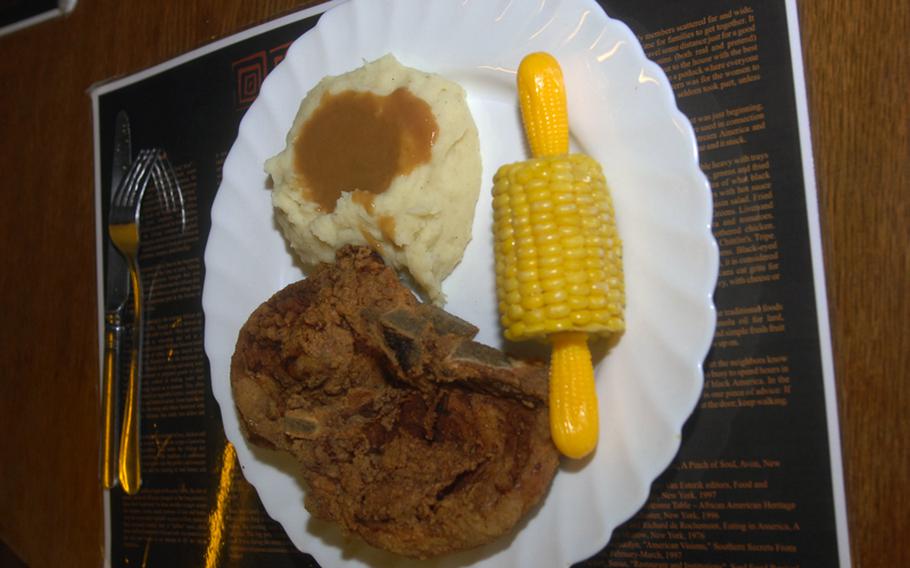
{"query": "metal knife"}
[(116, 291)]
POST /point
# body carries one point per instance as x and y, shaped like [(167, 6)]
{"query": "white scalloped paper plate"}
[(622, 112)]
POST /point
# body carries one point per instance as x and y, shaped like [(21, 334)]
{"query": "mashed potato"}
[(356, 174)]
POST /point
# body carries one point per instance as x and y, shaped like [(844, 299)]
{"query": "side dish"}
[(384, 156), (559, 272)]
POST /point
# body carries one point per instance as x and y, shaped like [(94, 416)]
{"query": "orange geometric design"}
[(277, 54), (249, 73)]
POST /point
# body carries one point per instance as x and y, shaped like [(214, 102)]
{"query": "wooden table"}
[(856, 59)]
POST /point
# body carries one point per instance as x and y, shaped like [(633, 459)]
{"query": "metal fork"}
[(124, 232)]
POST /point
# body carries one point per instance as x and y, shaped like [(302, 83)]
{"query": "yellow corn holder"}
[(558, 254)]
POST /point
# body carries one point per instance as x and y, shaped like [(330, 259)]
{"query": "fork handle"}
[(109, 387), (129, 463)]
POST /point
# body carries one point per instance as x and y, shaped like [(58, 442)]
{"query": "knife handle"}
[(109, 388), (129, 466)]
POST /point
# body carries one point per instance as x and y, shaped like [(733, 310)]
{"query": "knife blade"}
[(117, 285), (116, 293)]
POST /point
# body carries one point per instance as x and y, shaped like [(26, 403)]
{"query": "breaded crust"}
[(408, 433)]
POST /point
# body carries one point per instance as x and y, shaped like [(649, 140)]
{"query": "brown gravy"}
[(387, 227), (361, 141), (362, 198)]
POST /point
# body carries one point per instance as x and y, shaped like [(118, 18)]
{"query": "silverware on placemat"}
[(123, 228), (116, 292), (124, 231)]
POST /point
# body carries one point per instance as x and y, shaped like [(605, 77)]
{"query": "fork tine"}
[(171, 183), (122, 189), (137, 188), (162, 193), (178, 192), (141, 164), (172, 189), (127, 191)]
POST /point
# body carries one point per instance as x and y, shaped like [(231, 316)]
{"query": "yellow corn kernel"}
[(571, 265), (581, 318)]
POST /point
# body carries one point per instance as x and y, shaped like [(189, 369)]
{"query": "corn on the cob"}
[(558, 254)]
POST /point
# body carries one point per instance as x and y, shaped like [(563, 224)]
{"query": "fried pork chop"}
[(408, 433)]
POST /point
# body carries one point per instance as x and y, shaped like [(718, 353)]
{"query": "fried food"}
[(408, 433)]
